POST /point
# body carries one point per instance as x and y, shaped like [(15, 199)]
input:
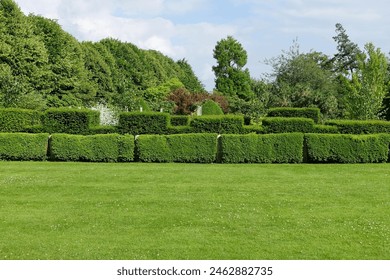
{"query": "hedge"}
[(70, 121), (286, 112), (284, 125), (342, 148), (23, 146), (229, 124), (180, 120), (210, 107), (252, 148), (138, 123), (360, 127), (93, 148), (193, 148), (18, 120)]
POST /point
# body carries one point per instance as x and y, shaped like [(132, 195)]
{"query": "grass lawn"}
[(187, 211)]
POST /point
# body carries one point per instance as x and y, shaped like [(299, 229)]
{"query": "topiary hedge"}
[(138, 123), (93, 148), (253, 148), (18, 120), (360, 127), (342, 148), (177, 120), (210, 107), (23, 146), (229, 124), (286, 112), (194, 148), (70, 121), (285, 125)]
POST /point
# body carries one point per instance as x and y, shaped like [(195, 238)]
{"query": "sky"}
[(190, 29)]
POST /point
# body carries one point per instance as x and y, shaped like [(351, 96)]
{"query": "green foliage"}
[(210, 107), (282, 125), (188, 78), (18, 120), (94, 148), (326, 129), (218, 124), (287, 112), (137, 123), (23, 146), (231, 79), (72, 121), (180, 120), (341, 148), (194, 148), (252, 148), (103, 129), (360, 127)]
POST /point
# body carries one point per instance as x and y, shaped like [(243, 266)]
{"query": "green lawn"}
[(187, 211)]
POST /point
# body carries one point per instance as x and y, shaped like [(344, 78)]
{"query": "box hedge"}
[(93, 148), (285, 125), (70, 121), (138, 123), (253, 148), (360, 127), (23, 146), (18, 120), (342, 148), (177, 120), (286, 112), (211, 108), (193, 148), (229, 124)]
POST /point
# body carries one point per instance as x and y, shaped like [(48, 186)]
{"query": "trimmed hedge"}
[(360, 127), (177, 120), (211, 108), (252, 148), (229, 124), (93, 148), (342, 148), (286, 112), (70, 121), (103, 129), (285, 125), (138, 123), (23, 146), (18, 120), (193, 148), (326, 129)]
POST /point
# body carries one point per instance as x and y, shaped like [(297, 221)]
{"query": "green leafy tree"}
[(231, 77), (188, 78), (368, 87)]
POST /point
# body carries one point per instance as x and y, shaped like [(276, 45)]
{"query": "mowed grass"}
[(187, 211)]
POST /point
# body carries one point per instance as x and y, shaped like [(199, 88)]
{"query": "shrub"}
[(179, 130), (18, 120), (258, 129), (326, 129), (284, 125), (180, 120), (360, 127), (138, 123), (23, 146), (342, 148), (103, 129), (194, 148), (270, 148), (218, 124), (210, 107), (285, 112), (71, 121), (94, 148)]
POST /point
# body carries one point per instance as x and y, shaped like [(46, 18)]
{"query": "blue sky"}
[(190, 28)]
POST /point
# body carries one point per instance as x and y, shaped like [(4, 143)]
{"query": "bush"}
[(258, 129), (180, 120), (194, 148), (179, 130), (103, 129), (270, 148), (71, 121), (230, 124), (285, 125), (23, 146), (210, 107), (342, 148), (361, 127), (94, 148), (326, 129), (18, 120), (138, 123), (285, 112)]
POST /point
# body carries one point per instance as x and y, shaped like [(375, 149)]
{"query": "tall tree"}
[(231, 77)]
